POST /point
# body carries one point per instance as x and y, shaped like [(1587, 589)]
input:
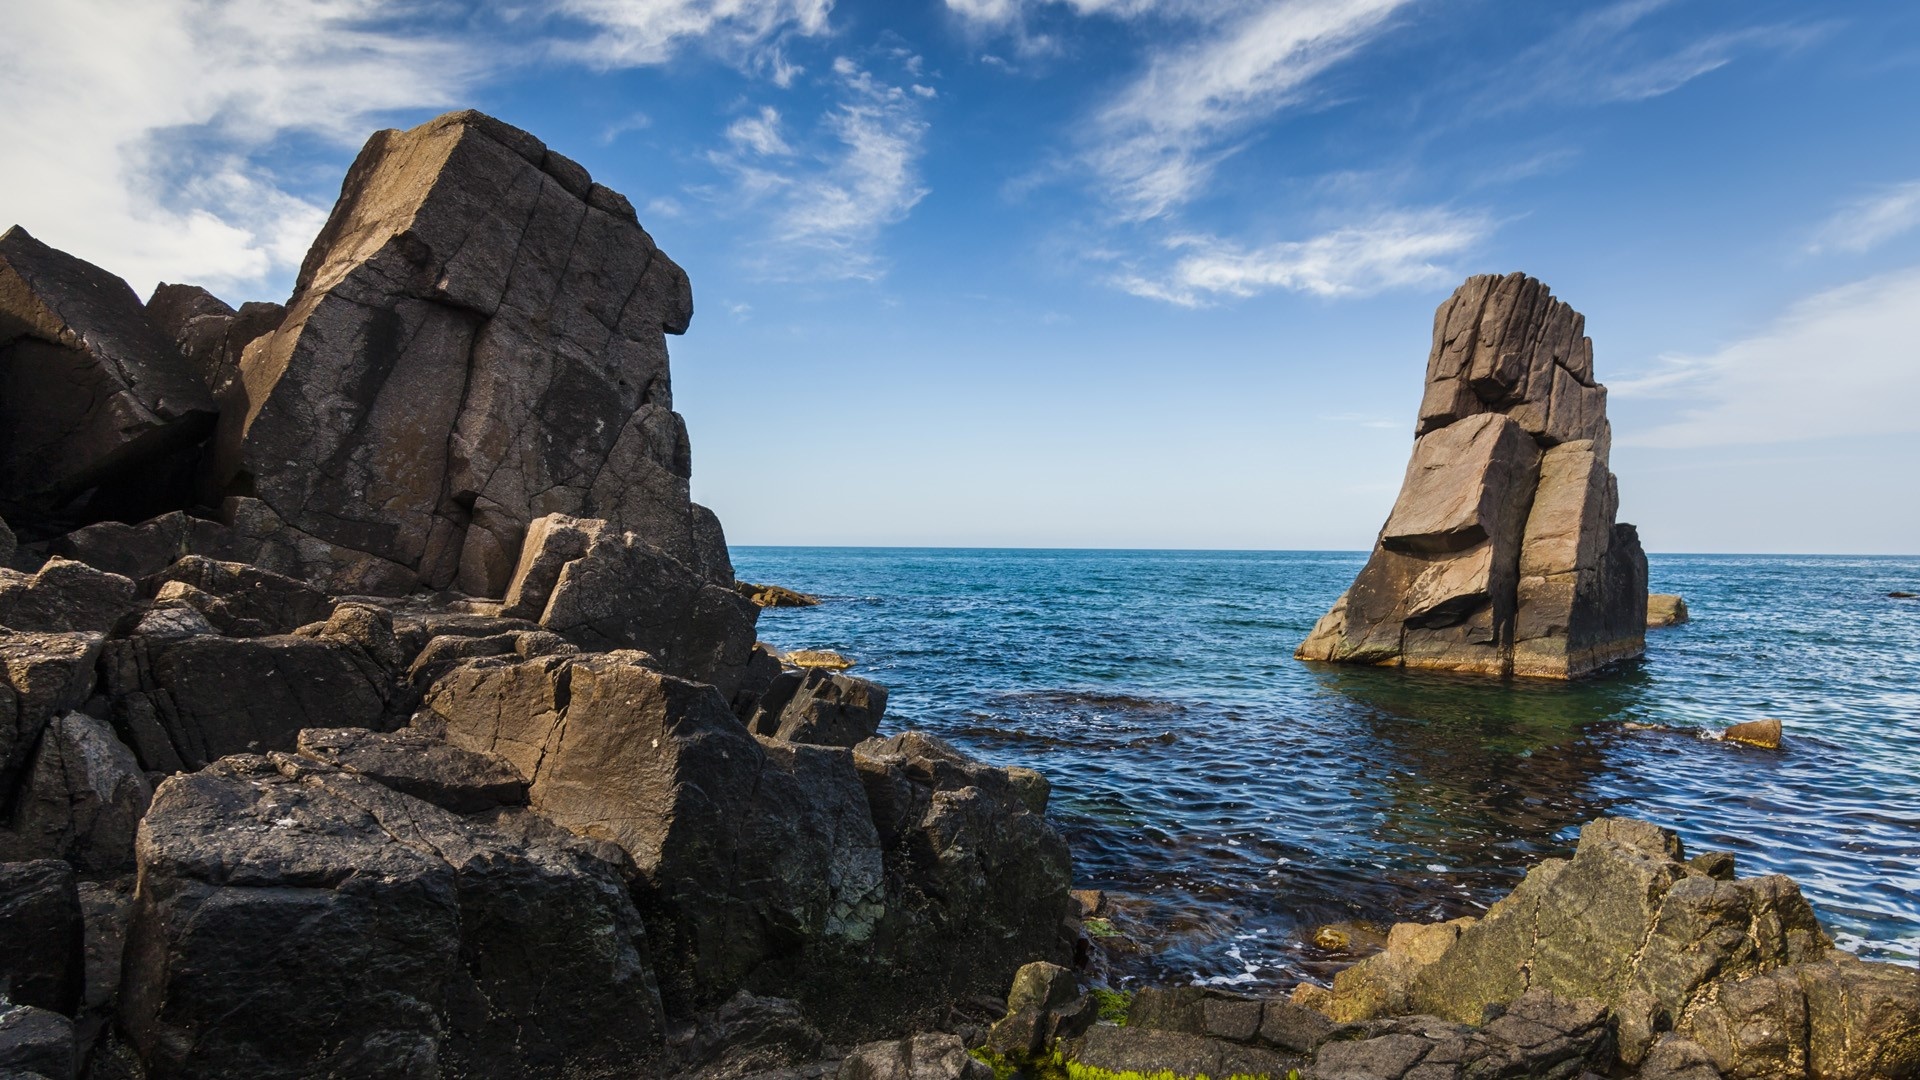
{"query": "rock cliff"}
[(1501, 555), (375, 702)]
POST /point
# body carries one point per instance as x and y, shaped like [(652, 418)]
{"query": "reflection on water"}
[(1238, 799)]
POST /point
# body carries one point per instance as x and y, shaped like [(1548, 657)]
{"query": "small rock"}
[(41, 945), (36, 1042), (1762, 733), (1092, 902), (767, 596), (1349, 937), (1042, 986), (916, 1057), (1899, 594), (818, 658), (1665, 609)]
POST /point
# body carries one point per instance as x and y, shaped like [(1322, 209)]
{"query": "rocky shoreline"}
[(375, 702)]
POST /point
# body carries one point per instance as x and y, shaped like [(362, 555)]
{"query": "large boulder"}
[(1501, 555), (876, 886), (63, 596), (207, 332), (41, 676), (81, 800), (182, 702), (602, 588), (42, 959), (1740, 967), (476, 339), (241, 600), (90, 392), (811, 705), (297, 920)]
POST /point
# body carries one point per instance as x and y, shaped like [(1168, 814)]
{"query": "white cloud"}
[(1158, 143), (1609, 55), (1840, 362), (1393, 250), (1000, 13), (759, 133), (1870, 221), (632, 33), (828, 198), (131, 125)]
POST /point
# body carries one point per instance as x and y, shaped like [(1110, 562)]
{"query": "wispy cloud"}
[(829, 197), (132, 126), (1157, 144), (1393, 250), (1871, 220), (626, 33), (1612, 55), (1836, 363)]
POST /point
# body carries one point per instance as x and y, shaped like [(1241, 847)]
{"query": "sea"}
[(1232, 801)]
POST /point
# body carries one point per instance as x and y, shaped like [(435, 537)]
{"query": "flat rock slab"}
[(416, 764)]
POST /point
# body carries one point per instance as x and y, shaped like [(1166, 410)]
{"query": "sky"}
[(1104, 273)]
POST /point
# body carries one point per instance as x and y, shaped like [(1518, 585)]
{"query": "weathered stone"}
[(246, 601), (208, 333), (8, 543), (934, 1056), (335, 568), (414, 763), (81, 801), (1289, 1026), (1664, 610), (139, 551), (1382, 984), (183, 702), (763, 667), (750, 1035), (604, 589), (41, 677), (1150, 1051), (41, 948), (1761, 733), (774, 596), (90, 393), (106, 908), (1501, 555), (37, 1042), (817, 658), (818, 706), (1836, 1017), (63, 596), (487, 347), (1042, 986), (301, 921)]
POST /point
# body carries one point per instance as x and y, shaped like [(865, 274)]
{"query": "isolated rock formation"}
[(475, 340), (1501, 555)]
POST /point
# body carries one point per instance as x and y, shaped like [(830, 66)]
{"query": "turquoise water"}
[(1234, 799)]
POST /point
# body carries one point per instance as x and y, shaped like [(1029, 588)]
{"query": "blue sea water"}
[(1233, 799)]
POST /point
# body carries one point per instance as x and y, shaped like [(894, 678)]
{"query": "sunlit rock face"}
[(477, 339), (1501, 555)]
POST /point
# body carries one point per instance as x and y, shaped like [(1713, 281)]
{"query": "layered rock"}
[(1688, 961), (295, 919), (475, 340), (90, 393), (1501, 555)]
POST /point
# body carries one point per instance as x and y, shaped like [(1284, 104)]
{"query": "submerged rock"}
[(1501, 555), (774, 596), (1761, 733)]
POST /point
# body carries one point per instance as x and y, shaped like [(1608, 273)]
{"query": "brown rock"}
[(41, 676), (63, 596), (1501, 555), (90, 392), (774, 596), (1665, 609), (1762, 733), (487, 346), (813, 705)]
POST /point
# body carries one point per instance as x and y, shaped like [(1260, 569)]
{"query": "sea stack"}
[(1501, 555)]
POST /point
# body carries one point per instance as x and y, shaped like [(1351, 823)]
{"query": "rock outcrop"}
[(475, 340), (1677, 951), (90, 394), (1501, 555)]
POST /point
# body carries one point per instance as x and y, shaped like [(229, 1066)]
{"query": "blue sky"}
[(1139, 273)]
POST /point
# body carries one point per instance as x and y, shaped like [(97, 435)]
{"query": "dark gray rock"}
[(37, 1042), (491, 349), (414, 763), (299, 920), (90, 393), (931, 1056), (63, 596), (41, 676), (181, 703), (748, 1036), (1288, 1026), (41, 947), (813, 705), (245, 601), (208, 333), (140, 551), (1501, 555), (82, 799), (106, 909), (605, 589)]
